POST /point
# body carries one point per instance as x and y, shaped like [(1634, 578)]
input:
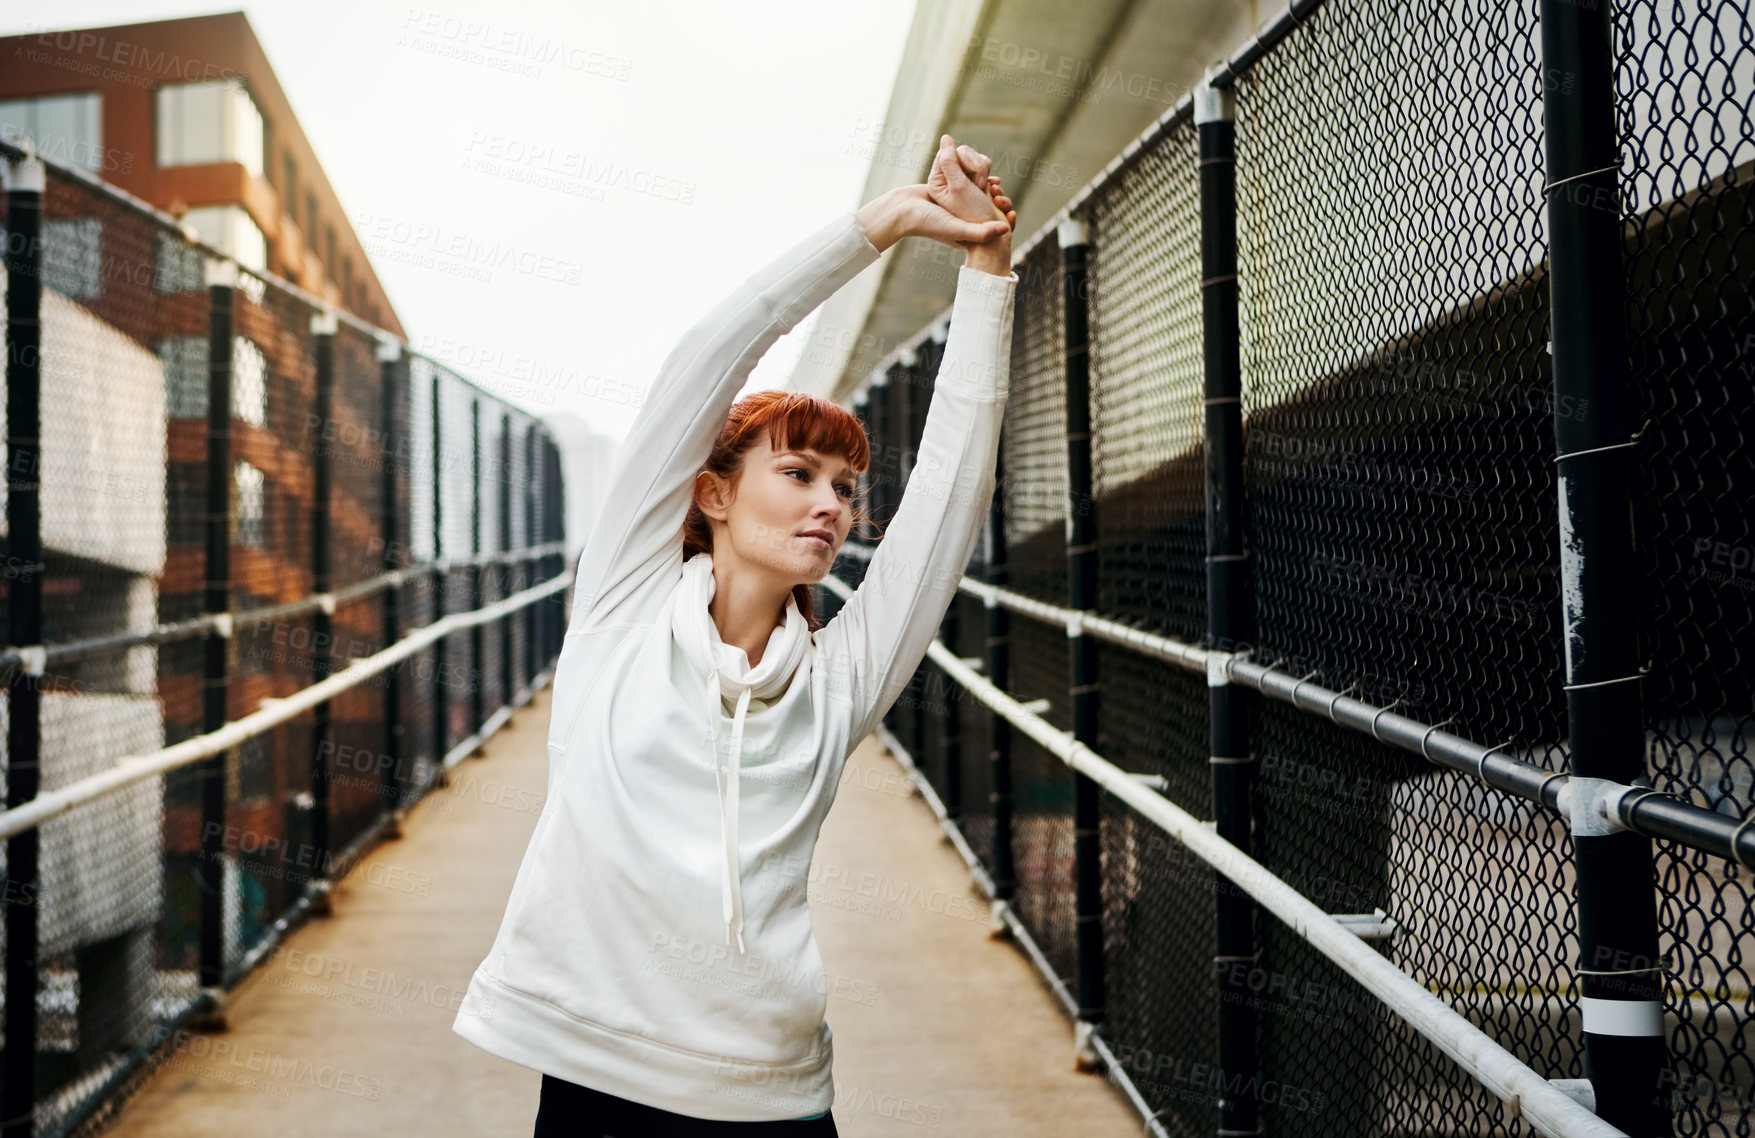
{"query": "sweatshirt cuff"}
[(985, 282), (852, 222), (977, 356)]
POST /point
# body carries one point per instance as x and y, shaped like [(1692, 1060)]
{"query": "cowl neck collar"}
[(700, 642), (726, 674)]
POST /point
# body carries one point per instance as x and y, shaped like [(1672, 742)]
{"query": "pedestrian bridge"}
[(345, 1029), (1256, 711)]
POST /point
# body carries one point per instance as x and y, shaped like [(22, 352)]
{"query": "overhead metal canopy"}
[(1051, 91)]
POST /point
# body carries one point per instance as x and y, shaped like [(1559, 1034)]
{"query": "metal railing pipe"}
[(130, 769), (1549, 1109)]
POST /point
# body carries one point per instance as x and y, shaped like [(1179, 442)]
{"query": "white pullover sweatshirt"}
[(657, 944)]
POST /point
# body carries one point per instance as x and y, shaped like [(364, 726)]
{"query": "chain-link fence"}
[(1395, 387), (241, 492)]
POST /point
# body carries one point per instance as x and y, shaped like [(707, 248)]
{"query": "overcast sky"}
[(685, 142)]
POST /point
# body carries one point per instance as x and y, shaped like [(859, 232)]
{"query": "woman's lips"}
[(815, 540)]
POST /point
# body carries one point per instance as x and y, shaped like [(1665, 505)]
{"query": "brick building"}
[(187, 115)]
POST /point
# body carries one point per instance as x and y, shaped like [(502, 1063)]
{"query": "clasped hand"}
[(960, 203)]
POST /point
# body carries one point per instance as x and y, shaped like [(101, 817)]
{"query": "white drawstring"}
[(731, 891), (709, 656)]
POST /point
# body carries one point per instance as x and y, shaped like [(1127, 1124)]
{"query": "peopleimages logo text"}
[(495, 254)]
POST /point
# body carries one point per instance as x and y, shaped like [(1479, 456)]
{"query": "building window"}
[(180, 266), (185, 504), (329, 261), (64, 128), (249, 382), (255, 763), (289, 194), (231, 230), (72, 262), (185, 360), (311, 221), (185, 363), (249, 498), (209, 122), (70, 256)]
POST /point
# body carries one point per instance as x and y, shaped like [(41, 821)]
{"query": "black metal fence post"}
[(24, 624), (222, 276), (913, 398), (999, 671), (878, 421), (557, 531), (477, 640), (531, 539), (951, 723), (553, 607), (1081, 581), (1620, 971), (323, 325), (441, 580), (923, 381), (391, 366), (862, 411), (1230, 606), (504, 574)]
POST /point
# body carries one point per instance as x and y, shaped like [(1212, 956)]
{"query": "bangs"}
[(804, 422)]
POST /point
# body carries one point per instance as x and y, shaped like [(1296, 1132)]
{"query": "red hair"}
[(793, 421)]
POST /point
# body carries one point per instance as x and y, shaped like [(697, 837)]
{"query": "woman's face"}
[(781, 498)]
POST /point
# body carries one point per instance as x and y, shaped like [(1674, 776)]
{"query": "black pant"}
[(569, 1110)]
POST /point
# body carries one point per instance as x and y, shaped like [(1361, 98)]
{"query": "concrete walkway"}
[(347, 1030)]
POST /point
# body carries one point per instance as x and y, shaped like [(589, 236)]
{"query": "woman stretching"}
[(656, 961)]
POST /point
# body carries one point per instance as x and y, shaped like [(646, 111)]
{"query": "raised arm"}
[(881, 634), (640, 527), (638, 536)]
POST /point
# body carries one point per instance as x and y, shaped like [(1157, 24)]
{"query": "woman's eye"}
[(844, 489)]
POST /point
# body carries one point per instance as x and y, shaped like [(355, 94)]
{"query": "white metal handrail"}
[(133, 768), (1548, 1108)]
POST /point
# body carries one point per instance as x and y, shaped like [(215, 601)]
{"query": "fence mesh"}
[(1685, 75), (127, 324), (1401, 520), (1399, 455), (1158, 897), (974, 732), (1148, 453), (1034, 494)]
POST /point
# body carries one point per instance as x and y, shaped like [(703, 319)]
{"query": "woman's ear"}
[(711, 497)]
